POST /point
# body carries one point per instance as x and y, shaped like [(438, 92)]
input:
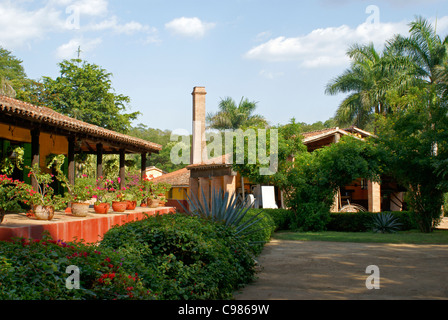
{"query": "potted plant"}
[(119, 203), (149, 192), (99, 193), (135, 193), (12, 194), (43, 200), (82, 194), (160, 190)]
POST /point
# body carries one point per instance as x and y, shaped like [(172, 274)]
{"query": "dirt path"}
[(292, 270)]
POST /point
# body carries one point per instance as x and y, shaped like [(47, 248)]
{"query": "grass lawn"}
[(410, 237)]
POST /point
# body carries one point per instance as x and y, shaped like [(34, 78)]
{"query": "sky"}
[(280, 54)]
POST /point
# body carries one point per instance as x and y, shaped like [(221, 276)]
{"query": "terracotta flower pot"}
[(153, 203), (119, 206), (101, 208), (131, 205), (43, 212), (80, 209)]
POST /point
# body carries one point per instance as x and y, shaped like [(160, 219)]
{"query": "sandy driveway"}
[(292, 270)]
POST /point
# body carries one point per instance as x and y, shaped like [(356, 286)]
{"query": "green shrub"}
[(282, 218), (36, 270), (184, 257), (310, 217), (259, 233), (349, 221), (360, 221)]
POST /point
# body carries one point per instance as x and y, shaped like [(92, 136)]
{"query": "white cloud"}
[(20, 27), (69, 50), (189, 27), (126, 28), (326, 46), (22, 24)]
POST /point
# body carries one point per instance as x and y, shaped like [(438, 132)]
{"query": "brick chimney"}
[(199, 142)]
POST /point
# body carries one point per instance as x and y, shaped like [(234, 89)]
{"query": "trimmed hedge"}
[(281, 218), (359, 222), (339, 221)]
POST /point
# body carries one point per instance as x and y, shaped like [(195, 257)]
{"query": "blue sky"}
[(278, 53)]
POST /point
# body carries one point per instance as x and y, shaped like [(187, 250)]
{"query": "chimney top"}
[(199, 90)]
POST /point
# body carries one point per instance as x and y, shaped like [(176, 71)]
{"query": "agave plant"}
[(385, 223), (223, 208)]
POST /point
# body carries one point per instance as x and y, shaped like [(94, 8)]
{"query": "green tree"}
[(162, 137), (84, 91), (315, 178), (425, 51), (414, 142), (232, 116), (368, 80), (12, 73)]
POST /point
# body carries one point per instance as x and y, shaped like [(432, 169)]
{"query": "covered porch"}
[(43, 133), (46, 132)]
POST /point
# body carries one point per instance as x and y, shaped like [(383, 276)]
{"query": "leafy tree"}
[(310, 181), (12, 73), (315, 178), (414, 142), (162, 137), (84, 91), (232, 116)]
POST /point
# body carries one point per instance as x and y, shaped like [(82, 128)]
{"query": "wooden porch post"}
[(144, 159), (35, 154), (99, 160), (71, 160), (122, 169)]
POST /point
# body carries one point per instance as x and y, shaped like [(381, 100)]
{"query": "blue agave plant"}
[(223, 208), (385, 223)]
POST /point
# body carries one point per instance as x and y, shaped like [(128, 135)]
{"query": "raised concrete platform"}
[(67, 227)]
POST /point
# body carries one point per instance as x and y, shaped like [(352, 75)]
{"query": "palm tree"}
[(424, 49), (366, 81), (231, 116)]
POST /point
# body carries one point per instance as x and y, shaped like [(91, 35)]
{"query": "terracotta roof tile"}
[(176, 179), (44, 115)]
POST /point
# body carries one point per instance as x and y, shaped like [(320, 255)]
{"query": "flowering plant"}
[(160, 190), (148, 187), (101, 190), (44, 195), (82, 191), (118, 194), (13, 193)]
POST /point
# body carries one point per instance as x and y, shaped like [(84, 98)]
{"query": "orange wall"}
[(49, 143)]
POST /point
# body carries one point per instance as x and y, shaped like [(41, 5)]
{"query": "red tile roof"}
[(43, 115), (179, 178)]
